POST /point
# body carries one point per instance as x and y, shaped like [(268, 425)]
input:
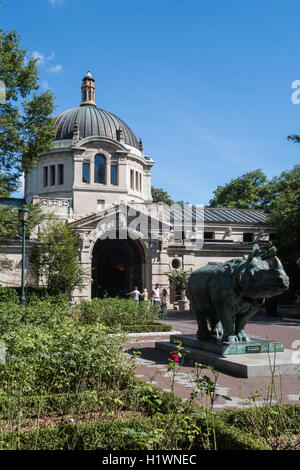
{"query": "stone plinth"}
[(246, 365), (224, 349)]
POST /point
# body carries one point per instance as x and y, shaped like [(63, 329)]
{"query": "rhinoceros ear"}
[(255, 252), (270, 253)]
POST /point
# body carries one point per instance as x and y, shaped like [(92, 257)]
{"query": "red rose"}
[(174, 358)]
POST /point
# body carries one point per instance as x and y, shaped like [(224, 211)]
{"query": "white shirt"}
[(156, 294), (136, 294)]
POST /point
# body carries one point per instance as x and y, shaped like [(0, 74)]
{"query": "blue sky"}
[(207, 85)]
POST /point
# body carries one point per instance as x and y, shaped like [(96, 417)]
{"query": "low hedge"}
[(230, 438), (127, 434), (136, 396), (114, 312), (32, 294), (155, 433), (154, 327), (275, 418), (293, 315), (169, 424), (61, 403)]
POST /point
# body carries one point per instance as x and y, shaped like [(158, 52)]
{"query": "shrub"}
[(66, 357), (154, 433), (146, 328), (265, 421), (115, 311), (9, 294), (32, 294), (40, 312), (55, 256)]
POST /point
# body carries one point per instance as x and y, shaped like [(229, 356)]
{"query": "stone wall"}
[(11, 266)]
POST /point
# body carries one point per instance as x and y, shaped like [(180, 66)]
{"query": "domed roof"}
[(92, 121)]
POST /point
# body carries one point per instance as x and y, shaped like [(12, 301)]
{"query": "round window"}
[(176, 263)]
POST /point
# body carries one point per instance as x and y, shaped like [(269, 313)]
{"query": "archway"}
[(117, 266)]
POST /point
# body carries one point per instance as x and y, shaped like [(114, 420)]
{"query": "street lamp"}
[(23, 217)]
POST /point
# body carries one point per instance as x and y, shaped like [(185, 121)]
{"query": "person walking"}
[(156, 294), (163, 299), (145, 295), (135, 294)]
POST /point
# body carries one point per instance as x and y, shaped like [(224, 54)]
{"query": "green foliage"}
[(146, 328), (26, 126), (25, 407), (10, 225), (294, 314), (62, 362), (205, 386), (249, 191), (33, 294), (179, 278), (146, 433), (159, 195), (231, 438), (55, 256), (9, 294), (295, 138), (48, 352), (115, 312), (285, 220), (266, 421)]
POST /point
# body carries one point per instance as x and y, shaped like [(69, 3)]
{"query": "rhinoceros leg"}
[(203, 331), (201, 317), (216, 328), (227, 319), (241, 321)]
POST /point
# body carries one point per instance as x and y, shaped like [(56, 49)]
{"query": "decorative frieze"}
[(55, 202)]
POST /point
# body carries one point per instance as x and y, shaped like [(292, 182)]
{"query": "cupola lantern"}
[(88, 89)]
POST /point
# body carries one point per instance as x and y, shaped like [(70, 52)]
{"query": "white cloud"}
[(43, 59), (55, 3), (39, 57), (55, 68)]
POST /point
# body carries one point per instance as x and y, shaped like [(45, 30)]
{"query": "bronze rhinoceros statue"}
[(226, 295)]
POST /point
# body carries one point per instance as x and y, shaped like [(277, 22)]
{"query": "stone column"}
[(83, 292)]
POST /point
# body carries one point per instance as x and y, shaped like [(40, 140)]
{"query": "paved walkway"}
[(153, 363)]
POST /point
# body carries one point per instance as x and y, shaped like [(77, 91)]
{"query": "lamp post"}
[(23, 216)]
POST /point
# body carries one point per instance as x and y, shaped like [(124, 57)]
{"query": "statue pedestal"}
[(246, 363), (225, 349)]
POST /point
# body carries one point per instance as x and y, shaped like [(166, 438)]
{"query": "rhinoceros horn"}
[(255, 252)]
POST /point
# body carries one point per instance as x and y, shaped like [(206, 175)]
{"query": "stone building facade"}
[(98, 178)]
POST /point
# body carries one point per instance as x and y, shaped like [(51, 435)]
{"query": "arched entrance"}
[(117, 266)]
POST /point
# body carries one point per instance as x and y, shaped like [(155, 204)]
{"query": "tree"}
[(55, 256), (294, 138), (26, 128), (179, 279), (286, 222), (249, 191), (10, 226), (159, 195)]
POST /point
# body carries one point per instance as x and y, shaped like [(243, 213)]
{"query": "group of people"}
[(158, 296)]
